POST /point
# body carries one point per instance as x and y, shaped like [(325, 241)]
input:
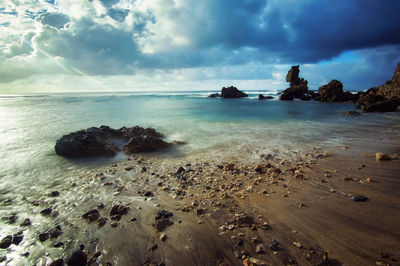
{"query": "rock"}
[(318, 257), (99, 141), (148, 194), (3, 258), (58, 244), (12, 219), (180, 170), (297, 244), (6, 241), (145, 144), (229, 167), (260, 249), (162, 224), (384, 98), (260, 169), (44, 236), (55, 232), (26, 222), (286, 95), (359, 198), (118, 210), (274, 245), (59, 262), (163, 237), (382, 157), (91, 215), (331, 92), (232, 92), (78, 258), (381, 106), (298, 86), (17, 238), (262, 97), (114, 224), (92, 259), (352, 112), (242, 219), (153, 247), (46, 211), (101, 221), (54, 194), (213, 95), (163, 214)]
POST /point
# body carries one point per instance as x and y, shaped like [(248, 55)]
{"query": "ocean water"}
[(211, 127)]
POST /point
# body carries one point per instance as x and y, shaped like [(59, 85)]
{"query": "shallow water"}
[(212, 128)]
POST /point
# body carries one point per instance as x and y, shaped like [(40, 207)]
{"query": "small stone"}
[(382, 157), (55, 232), (297, 244), (58, 244), (12, 219), (180, 170), (91, 215), (359, 198), (163, 237), (331, 190), (44, 236), (46, 211), (114, 224), (128, 168), (54, 194), (6, 241), (301, 205), (26, 222), (265, 226), (253, 227), (148, 194), (17, 238), (162, 224), (101, 221), (3, 258), (260, 249), (255, 239), (153, 247), (274, 245)]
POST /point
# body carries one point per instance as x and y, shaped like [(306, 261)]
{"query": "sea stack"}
[(298, 86)]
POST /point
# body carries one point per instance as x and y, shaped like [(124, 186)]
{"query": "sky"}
[(128, 45)]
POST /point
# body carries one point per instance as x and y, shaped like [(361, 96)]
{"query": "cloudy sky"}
[(117, 45)]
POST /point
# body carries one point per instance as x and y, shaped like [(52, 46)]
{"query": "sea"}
[(30, 125)]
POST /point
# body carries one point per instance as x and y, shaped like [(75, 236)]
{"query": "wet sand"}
[(270, 211)]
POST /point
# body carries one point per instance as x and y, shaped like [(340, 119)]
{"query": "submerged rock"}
[(262, 97), (213, 95), (96, 141), (78, 258)]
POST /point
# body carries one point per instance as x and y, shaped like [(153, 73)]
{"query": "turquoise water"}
[(212, 128)]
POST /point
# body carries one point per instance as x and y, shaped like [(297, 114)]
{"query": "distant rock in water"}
[(385, 98), (213, 95), (96, 141), (298, 86), (333, 92), (262, 97), (232, 92)]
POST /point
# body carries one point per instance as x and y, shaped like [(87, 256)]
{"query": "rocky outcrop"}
[(385, 98), (232, 92), (213, 95), (298, 86), (333, 92), (96, 141)]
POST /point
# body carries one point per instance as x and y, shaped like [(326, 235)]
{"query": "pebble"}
[(54, 194), (26, 222), (163, 237), (43, 236), (114, 224), (17, 238), (382, 157), (91, 215), (359, 198), (6, 241), (260, 248), (297, 244), (274, 245), (153, 247), (46, 211)]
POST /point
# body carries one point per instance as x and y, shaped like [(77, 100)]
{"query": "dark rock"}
[(78, 258), (148, 194), (262, 97), (162, 224), (3, 258), (91, 215), (180, 170), (331, 92), (213, 95), (153, 247), (144, 169), (101, 221), (17, 238), (318, 257), (93, 258), (359, 198), (260, 249), (145, 144), (55, 232), (305, 97), (46, 211), (99, 141), (232, 92), (116, 217), (26, 222), (352, 112), (54, 194), (287, 95), (163, 214), (59, 244), (44, 236), (118, 210), (6, 242), (381, 106), (274, 245), (59, 262)]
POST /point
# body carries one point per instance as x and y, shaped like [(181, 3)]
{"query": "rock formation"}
[(262, 97), (298, 86), (96, 141), (232, 92), (384, 98), (333, 92)]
